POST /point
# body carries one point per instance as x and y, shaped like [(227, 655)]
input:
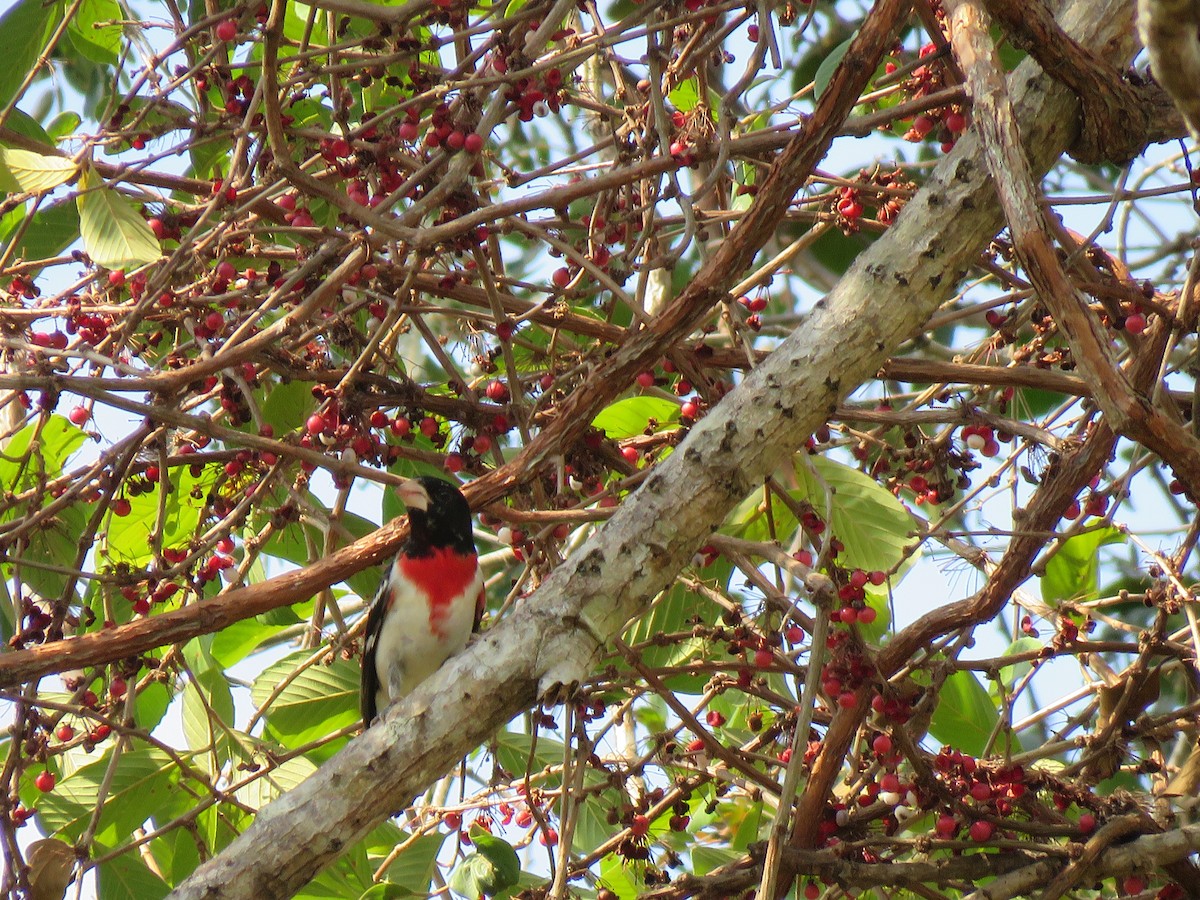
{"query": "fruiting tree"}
[(822, 375)]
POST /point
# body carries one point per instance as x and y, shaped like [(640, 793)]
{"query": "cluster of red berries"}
[(535, 97), (853, 594), (843, 675)]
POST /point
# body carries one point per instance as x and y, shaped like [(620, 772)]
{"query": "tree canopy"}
[(822, 375)]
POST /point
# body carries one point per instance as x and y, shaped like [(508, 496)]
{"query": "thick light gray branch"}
[(556, 636), (1169, 31)]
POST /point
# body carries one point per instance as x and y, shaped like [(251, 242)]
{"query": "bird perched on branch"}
[(431, 598)]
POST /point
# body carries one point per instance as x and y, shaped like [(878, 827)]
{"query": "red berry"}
[(44, 782), (946, 826), (980, 791), (473, 142), (981, 830), (497, 391), (78, 415), (1087, 823), (214, 321), (121, 507), (867, 615), (1135, 324), (117, 277), (763, 658), (639, 826), (714, 718), (690, 410), (227, 30), (846, 699), (65, 733), (454, 462), (429, 426), (315, 424), (1133, 884), (561, 277), (631, 455), (645, 379), (882, 745)]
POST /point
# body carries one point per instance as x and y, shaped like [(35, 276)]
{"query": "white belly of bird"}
[(408, 652)]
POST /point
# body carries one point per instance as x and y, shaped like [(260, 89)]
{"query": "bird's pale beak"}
[(413, 495)]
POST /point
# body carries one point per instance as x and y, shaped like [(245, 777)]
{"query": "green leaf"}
[(176, 854), (316, 702), (24, 124), (143, 779), (21, 170), (386, 890), (492, 868), (512, 752), (685, 96), (128, 536), (413, 868), (292, 545), (672, 613), (208, 702), (235, 642), (828, 66), (634, 415), (151, 705), (60, 126), (872, 524), (99, 43), (127, 876), (288, 406), (1071, 573), (115, 236), (270, 784), (965, 716), (52, 230), (23, 32), (1010, 675)]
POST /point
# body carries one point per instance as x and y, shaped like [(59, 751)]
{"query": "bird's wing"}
[(370, 672)]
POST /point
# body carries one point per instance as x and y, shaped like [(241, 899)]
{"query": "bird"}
[(431, 598)]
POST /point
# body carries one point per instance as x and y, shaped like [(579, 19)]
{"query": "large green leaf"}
[(93, 30), (21, 170), (674, 613), (114, 234), (828, 66), (52, 230), (633, 415), (318, 701), (23, 32), (292, 544), (270, 784), (128, 536), (126, 876), (208, 717), (965, 715), (873, 526), (1071, 573), (143, 779)]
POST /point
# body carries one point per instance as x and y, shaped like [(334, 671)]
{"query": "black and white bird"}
[(431, 599)]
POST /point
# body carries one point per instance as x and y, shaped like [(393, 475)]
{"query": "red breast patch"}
[(443, 576)]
